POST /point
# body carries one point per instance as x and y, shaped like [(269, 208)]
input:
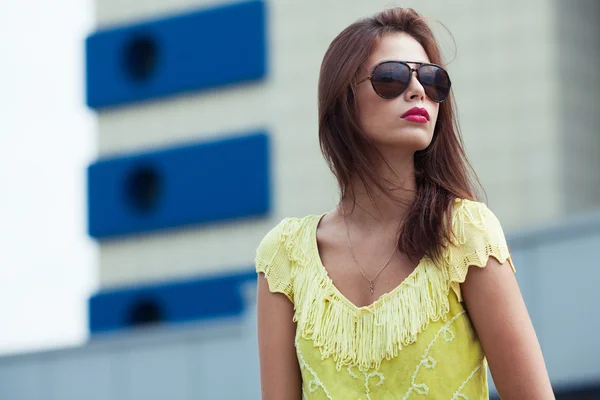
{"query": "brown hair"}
[(442, 171)]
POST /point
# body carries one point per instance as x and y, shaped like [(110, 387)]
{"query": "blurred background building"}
[(207, 126)]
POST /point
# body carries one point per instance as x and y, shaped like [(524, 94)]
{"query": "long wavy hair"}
[(443, 172)]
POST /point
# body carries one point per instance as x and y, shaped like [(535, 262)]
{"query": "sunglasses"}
[(391, 78)]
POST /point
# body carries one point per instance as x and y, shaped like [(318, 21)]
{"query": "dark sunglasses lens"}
[(435, 81), (390, 79)]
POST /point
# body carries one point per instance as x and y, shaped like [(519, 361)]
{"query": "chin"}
[(413, 141)]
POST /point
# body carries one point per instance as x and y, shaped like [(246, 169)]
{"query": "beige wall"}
[(507, 81), (578, 61)]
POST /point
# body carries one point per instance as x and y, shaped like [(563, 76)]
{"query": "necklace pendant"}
[(371, 287)]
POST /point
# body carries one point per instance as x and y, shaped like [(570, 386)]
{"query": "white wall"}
[(47, 262)]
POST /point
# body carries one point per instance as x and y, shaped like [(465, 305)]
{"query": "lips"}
[(416, 114)]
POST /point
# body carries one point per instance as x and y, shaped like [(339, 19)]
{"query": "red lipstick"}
[(416, 114)]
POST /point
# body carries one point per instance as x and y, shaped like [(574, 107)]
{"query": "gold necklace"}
[(371, 281)]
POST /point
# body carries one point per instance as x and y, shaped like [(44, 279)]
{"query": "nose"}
[(415, 90)]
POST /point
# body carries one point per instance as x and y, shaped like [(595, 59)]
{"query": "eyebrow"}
[(404, 61), (370, 69)]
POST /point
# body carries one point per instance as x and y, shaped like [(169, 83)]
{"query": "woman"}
[(406, 289)]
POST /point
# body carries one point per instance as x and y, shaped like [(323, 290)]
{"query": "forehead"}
[(397, 46)]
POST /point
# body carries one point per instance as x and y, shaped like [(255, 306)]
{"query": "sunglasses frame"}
[(411, 70)]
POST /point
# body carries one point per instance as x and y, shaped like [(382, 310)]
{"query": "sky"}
[(47, 138)]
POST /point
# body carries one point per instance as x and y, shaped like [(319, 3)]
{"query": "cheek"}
[(371, 109), (376, 116), (436, 113)]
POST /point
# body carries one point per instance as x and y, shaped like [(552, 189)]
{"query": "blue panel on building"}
[(199, 50), (168, 303), (201, 183)]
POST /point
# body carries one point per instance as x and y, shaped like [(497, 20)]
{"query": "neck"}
[(382, 210)]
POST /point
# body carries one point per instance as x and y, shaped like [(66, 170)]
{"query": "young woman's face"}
[(384, 120)]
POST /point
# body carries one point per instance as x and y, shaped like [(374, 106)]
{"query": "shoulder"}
[(470, 207), (285, 231), (473, 220), (478, 235), (283, 247)]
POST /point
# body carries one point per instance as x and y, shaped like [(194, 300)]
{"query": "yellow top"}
[(416, 341)]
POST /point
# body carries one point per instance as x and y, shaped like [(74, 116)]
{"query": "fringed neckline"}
[(359, 336), (324, 274)]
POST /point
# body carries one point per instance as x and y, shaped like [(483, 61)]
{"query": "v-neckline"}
[(377, 302)]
